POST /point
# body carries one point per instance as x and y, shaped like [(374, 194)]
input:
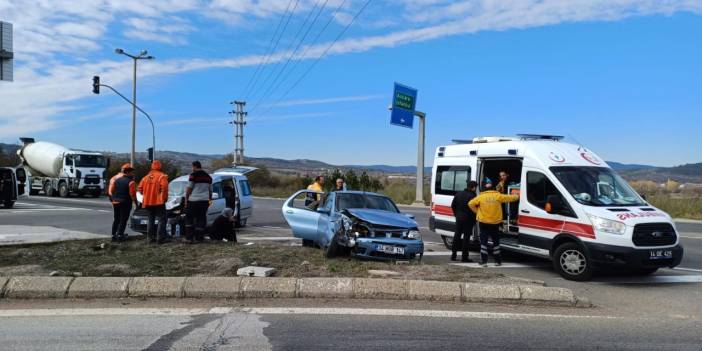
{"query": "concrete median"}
[(270, 287)]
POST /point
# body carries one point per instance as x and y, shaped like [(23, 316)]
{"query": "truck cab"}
[(573, 208)]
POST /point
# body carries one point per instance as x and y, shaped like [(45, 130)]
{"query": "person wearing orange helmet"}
[(122, 192), (154, 188)]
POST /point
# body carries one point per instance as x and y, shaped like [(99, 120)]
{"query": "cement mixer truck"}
[(56, 170)]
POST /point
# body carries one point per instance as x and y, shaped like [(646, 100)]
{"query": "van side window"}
[(451, 179), (217, 189), (539, 188), (245, 189)]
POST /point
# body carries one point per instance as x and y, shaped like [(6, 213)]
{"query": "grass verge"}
[(685, 207), (136, 258)]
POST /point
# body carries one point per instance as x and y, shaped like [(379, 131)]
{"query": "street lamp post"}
[(143, 55)]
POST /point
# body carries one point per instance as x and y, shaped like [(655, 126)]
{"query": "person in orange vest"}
[(122, 192), (154, 188)]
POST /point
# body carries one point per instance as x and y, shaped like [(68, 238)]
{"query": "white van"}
[(573, 208), (243, 190)]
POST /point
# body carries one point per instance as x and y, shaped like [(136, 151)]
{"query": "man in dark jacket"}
[(465, 220), (198, 195), (223, 226)]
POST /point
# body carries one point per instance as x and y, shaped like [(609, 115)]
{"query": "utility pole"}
[(239, 123)]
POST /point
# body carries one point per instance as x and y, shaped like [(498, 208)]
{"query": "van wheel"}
[(63, 189), (448, 241), (572, 262), (241, 223), (9, 204), (96, 193)]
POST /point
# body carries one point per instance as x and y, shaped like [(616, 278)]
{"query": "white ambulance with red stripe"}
[(573, 208)]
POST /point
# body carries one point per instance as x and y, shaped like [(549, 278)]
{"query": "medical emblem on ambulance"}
[(590, 158), (556, 157)]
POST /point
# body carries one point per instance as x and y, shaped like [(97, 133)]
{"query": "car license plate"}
[(660, 254), (393, 250), (146, 221)]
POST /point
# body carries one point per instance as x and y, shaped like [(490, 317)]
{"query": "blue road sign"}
[(404, 100)]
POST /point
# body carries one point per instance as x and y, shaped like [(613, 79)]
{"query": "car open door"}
[(303, 220)]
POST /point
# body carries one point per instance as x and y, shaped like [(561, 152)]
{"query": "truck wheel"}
[(48, 189), (572, 262), (63, 189), (9, 204), (448, 241), (96, 193)]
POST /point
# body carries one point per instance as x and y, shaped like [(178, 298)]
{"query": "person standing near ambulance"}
[(198, 195), (122, 193), (154, 188), (488, 207), (465, 221)]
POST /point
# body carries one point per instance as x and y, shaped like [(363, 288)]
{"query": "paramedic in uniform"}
[(465, 220), (488, 206)]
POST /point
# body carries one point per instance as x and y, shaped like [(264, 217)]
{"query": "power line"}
[(268, 57), (273, 86), (314, 63), (268, 50)]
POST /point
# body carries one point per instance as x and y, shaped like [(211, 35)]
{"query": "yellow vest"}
[(488, 206)]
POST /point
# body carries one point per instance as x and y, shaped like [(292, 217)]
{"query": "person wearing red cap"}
[(122, 192), (154, 188)]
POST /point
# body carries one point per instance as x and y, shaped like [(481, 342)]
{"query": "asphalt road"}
[(676, 291), (332, 325)]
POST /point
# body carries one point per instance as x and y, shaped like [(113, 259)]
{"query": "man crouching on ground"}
[(223, 226)]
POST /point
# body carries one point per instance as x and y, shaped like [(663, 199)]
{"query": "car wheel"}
[(572, 262), (333, 248), (48, 189), (307, 243), (9, 204), (63, 189), (448, 241), (33, 192)]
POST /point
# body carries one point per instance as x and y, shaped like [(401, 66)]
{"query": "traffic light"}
[(96, 84), (150, 154)]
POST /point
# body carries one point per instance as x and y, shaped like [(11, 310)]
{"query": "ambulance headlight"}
[(607, 225), (414, 234)]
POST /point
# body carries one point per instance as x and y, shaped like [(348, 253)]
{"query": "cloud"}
[(56, 41), (302, 102)]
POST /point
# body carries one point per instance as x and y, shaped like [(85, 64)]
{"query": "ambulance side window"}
[(539, 188), (451, 179)]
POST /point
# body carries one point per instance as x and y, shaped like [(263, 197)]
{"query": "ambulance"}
[(573, 208)]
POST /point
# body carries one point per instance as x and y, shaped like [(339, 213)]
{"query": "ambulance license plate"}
[(393, 250), (660, 254)]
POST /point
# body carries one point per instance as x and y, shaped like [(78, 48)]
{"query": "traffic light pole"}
[(135, 107)]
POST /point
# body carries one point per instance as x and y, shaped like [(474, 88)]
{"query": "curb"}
[(28, 287)]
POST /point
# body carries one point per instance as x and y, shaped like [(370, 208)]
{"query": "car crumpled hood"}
[(383, 218)]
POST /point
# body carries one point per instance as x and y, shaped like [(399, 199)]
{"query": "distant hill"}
[(626, 167), (688, 173)]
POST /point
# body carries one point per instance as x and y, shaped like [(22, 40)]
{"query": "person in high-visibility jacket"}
[(154, 188), (122, 192), (318, 187), (488, 207)]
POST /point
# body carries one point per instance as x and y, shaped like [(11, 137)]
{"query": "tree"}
[(225, 162)]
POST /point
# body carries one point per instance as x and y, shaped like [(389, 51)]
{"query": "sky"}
[(619, 76)]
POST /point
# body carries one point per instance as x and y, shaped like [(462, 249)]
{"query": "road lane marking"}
[(382, 312), (45, 207), (655, 279), (388, 312)]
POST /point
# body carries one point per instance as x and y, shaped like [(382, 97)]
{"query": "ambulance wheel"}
[(572, 262), (645, 271), (448, 241)]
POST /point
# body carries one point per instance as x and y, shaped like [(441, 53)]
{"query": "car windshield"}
[(597, 186), (375, 202), (176, 189), (89, 161)]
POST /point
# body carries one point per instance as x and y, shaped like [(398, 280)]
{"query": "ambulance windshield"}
[(597, 186)]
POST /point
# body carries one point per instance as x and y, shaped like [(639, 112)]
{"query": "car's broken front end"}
[(380, 235)]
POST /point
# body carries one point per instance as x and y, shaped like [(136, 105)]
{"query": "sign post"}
[(404, 100)]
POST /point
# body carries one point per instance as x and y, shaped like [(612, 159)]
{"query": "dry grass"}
[(136, 258), (683, 207)]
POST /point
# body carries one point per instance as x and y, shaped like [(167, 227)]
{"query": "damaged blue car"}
[(361, 224)]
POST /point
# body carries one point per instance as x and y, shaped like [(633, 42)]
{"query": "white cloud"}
[(49, 82), (302, 102)]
